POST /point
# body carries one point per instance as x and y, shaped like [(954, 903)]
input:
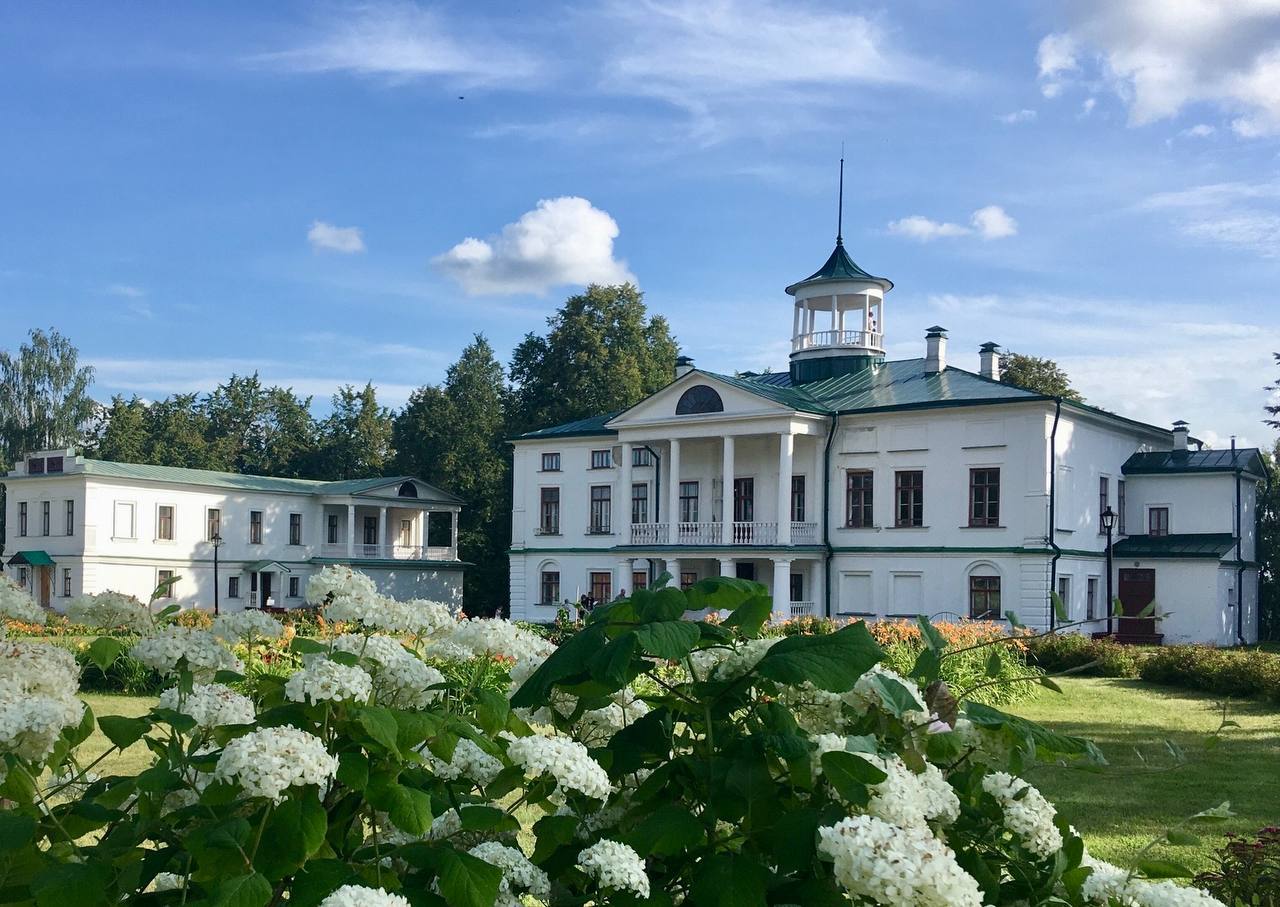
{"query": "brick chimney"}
[(935, 357)]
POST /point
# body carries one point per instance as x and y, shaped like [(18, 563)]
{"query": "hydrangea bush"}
[(648, 759)]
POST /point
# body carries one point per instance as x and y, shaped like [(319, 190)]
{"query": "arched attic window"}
[(699, 399), (408, 490)]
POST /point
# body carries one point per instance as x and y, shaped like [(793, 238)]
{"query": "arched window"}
[(699, 399), (984, 591), (408, 490)]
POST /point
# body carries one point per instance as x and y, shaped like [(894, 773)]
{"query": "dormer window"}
[(699, 399), (408, 490), (35, 466), (53, 464)]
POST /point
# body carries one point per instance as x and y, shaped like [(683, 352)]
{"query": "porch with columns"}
[(376, 531)]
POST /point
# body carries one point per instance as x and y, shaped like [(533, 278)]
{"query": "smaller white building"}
[(76, 526)]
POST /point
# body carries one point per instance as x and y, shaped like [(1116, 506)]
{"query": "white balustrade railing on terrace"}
[(740, 533), (697, 533), (803, 609), (648, 533), (804, 533), (861, 339), (755, 533), (391, 552)]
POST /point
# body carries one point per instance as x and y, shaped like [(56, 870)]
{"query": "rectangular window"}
[(1064, 593), (984, 497), (1091, 598), (549, 512), (331, 529), (255, 527), (1104, 498), (601, 586), (551, 462), (66, 582), (22, 518), (688, 578), (909, 498), (550, 587), (858, 499), (641, 456), (602, 459), (1120, 506), (295, 529), (639, 580), (797, 587), (71, 517), (688, 502), (124, 522), (213, 523), (797, 499), (984, 597), (295, 585), (744, 500), (639, 503), (164, 522), (162, 577), (405, 539), (371, 530), (45, 507), (233, 587), (1158, 521), (53, 464), (35, 466), (22, 577), (601, 509)]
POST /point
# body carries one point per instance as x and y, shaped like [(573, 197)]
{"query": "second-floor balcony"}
[(391, 552), (712, 533)]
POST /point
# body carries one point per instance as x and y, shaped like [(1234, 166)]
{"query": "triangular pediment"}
[(699, 396)]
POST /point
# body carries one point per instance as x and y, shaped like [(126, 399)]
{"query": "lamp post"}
[(1109, 524), (216, 542)]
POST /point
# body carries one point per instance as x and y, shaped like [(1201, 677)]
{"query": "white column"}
[(816, 504), (624, 575), (835, 313), (623, 526), (726, 566), (673, 567), (726, 492), (453, 530), (383, 541), (786, 446), (781, 588), (795, 320), (673, 491), (351, 530)]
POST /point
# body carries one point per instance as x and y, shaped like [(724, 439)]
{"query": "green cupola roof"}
[(839, 266)]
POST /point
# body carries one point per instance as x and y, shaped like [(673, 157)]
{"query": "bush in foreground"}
[(1248, 871), (665, 762)]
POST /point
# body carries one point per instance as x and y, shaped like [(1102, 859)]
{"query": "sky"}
[(332, 193)]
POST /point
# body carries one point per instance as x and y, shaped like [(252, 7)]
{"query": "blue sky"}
[(333, 193)]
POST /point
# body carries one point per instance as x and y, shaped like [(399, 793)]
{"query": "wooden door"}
[(1137, 591), (46, 586)]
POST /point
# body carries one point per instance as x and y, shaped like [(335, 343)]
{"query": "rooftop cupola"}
[(838, 315)]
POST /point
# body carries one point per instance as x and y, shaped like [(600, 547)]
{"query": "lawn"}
[(128, 762), (1143, 791)]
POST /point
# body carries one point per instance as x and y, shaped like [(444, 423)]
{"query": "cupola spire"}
[(840, 202)]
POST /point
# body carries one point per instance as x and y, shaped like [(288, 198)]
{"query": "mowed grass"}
[(1143, 791), (126, 762)]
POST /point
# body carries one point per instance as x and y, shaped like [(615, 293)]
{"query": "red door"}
[(1137, 591)]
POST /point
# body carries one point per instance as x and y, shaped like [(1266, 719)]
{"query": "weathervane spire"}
[(840, 203)]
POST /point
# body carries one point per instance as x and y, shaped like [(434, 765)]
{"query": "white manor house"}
[(856, 487), (75, 525)]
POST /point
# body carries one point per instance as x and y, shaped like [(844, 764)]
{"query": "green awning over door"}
[(32, 559)]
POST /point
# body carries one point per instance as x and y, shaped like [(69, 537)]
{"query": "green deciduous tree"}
[(44, 395), (602, 353), (1044, 376), (355, 440), (1269, 548)]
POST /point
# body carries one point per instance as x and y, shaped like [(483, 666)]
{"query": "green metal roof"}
[(1187, 544), (32, 558), (839, 266), (1161, 462), (145, 472), (593, 425)]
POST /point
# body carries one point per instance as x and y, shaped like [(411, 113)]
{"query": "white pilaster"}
[(383, 541), (673, 567), (726, 492), (453, 529), (781, 588), (624, 496), (786, 447), (351, 530), (673, 492)]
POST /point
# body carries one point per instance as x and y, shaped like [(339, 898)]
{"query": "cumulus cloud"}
[(561, 241), (324, 235), (1025, 115), (1160, 57), (991, 222)]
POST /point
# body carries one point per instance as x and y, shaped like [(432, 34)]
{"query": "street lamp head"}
[(215, 540), (1109, 519)]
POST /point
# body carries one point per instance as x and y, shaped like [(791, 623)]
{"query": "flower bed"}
[(652, 759)]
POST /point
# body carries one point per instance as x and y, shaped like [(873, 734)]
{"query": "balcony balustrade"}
[(853, 339), (391, 552), (804, 609), (756, 532)]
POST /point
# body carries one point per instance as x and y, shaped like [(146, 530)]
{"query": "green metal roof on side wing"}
[(1185, 544), (1167, 462), (795, 397), (592, 425)]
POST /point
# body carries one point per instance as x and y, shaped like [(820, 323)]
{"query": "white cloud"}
[(991, 222), (401, 40), (126, 291), (324, 235), (1199, 131), (561, 241), (1087, 106), (1159, 56), (1238, 215), (1025, 115)]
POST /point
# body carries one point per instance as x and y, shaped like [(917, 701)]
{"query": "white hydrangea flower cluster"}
[(565, 760), (597, 726), (16, 604), (1108, 885), (721, 663), (897, 867), (204, 654), (339, 585), (38, 686), (909, 799), (518, 873), (863, 696), (108, 610), (418, 617), (167, 881), (242, 626), (360, 896), (269, 761), (468, 761), (210, 704), (400, 678), (324, 679), (615, 866), (494, 637), (1026, 813)]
